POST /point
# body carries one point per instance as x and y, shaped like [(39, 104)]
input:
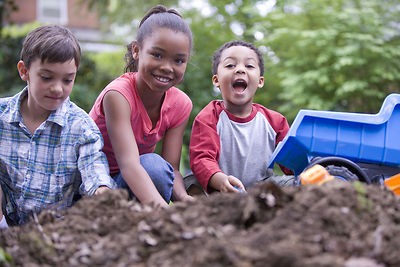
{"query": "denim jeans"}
[(160, 172)]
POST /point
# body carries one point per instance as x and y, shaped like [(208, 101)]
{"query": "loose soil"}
[(335, 224)]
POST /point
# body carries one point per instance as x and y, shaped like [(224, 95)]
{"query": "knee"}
[(156, 166)]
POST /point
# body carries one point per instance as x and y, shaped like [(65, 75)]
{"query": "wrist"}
[(180, 195), (216, 180)]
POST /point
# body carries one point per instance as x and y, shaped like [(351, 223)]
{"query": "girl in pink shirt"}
[(135, 111)]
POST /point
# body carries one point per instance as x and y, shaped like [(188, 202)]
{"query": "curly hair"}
[(217, 54)]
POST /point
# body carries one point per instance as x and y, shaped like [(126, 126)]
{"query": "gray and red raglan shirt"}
[(242, 147)]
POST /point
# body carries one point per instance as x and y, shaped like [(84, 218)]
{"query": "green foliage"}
[(10, 47), (5, 257), (364, 203), (95, 72), (335, 55), (125, 12), (319, 54), (6, 7)]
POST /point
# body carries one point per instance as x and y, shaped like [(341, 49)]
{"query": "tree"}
[(335, 54), (6, 7)]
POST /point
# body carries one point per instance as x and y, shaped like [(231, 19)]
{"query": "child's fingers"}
[(101, 190), (236, 184)]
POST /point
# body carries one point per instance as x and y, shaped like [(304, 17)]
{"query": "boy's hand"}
[(101, 190), (226, 183)]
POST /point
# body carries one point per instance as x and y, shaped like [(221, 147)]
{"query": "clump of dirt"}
[(335, 224)]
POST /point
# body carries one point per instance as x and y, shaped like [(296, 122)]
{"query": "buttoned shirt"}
[(49, 166)]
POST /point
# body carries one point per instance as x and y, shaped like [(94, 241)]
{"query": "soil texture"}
[(334, 224)]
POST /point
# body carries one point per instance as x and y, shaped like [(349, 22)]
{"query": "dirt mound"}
[(336, 224)]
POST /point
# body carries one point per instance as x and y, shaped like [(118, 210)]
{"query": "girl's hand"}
[(187, 198)]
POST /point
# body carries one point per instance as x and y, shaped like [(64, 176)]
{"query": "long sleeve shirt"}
[(242, 147), (46, 167)]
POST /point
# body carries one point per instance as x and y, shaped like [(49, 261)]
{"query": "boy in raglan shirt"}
[(233, 139)]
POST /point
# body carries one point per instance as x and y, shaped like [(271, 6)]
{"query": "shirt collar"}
[(57, 116)]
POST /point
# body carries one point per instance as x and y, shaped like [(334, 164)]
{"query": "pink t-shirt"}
[(174, 110)]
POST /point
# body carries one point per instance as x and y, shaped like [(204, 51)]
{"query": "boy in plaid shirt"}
[(50, 148)]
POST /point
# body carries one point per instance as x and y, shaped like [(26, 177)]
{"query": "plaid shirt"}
[(41, 169)]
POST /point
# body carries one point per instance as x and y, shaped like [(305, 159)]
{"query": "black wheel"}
[(342, 168), (342, 173)]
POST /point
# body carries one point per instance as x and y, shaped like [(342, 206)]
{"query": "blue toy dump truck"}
[(351, 146)]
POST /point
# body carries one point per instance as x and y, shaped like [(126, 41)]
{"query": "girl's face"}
[(162, 59)]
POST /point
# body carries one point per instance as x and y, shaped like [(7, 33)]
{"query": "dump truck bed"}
[(362, 138)]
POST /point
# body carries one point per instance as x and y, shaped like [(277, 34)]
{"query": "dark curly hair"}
[(217, 54), (157, 17)]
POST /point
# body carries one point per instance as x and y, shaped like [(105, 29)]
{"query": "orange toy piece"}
[(393, 183), (315, 175)]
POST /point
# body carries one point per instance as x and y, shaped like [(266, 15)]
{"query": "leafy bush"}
[(95, 72)]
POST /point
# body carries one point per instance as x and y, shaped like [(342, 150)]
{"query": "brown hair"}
[(157, 17), (53, 43), (217, 54)]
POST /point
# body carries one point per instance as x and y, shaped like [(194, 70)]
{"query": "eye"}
[(156, 55), (180, 60), (250, 66), (229, 66), (45, 78), (68, 81)]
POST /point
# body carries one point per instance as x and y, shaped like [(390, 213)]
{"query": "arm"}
[(92, 162), (117, 112), (171, 152), (204, 148), (281, 133), (281, 127)]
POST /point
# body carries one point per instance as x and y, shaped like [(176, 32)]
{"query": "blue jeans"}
[(160, 172)]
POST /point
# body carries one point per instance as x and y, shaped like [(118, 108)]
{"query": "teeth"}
[(162, 79)]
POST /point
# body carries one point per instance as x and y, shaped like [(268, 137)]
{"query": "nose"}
[(240, 68), (166, 66), (56, 89)]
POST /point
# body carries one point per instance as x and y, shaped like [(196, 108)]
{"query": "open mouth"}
[(239, 85)]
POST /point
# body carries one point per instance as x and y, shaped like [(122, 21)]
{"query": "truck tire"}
[(342, 168), (342, 173)]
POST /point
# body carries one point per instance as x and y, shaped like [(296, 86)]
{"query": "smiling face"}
[(238, 77), (162, 60), (49, 84)]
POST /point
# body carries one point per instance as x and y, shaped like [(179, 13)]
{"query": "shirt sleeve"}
[(204, 149), (92, 162), (180, 108), (281, 127)]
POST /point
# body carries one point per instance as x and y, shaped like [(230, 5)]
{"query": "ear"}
[(215, 80), (260, 82), (135, 50), (23, 71)]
